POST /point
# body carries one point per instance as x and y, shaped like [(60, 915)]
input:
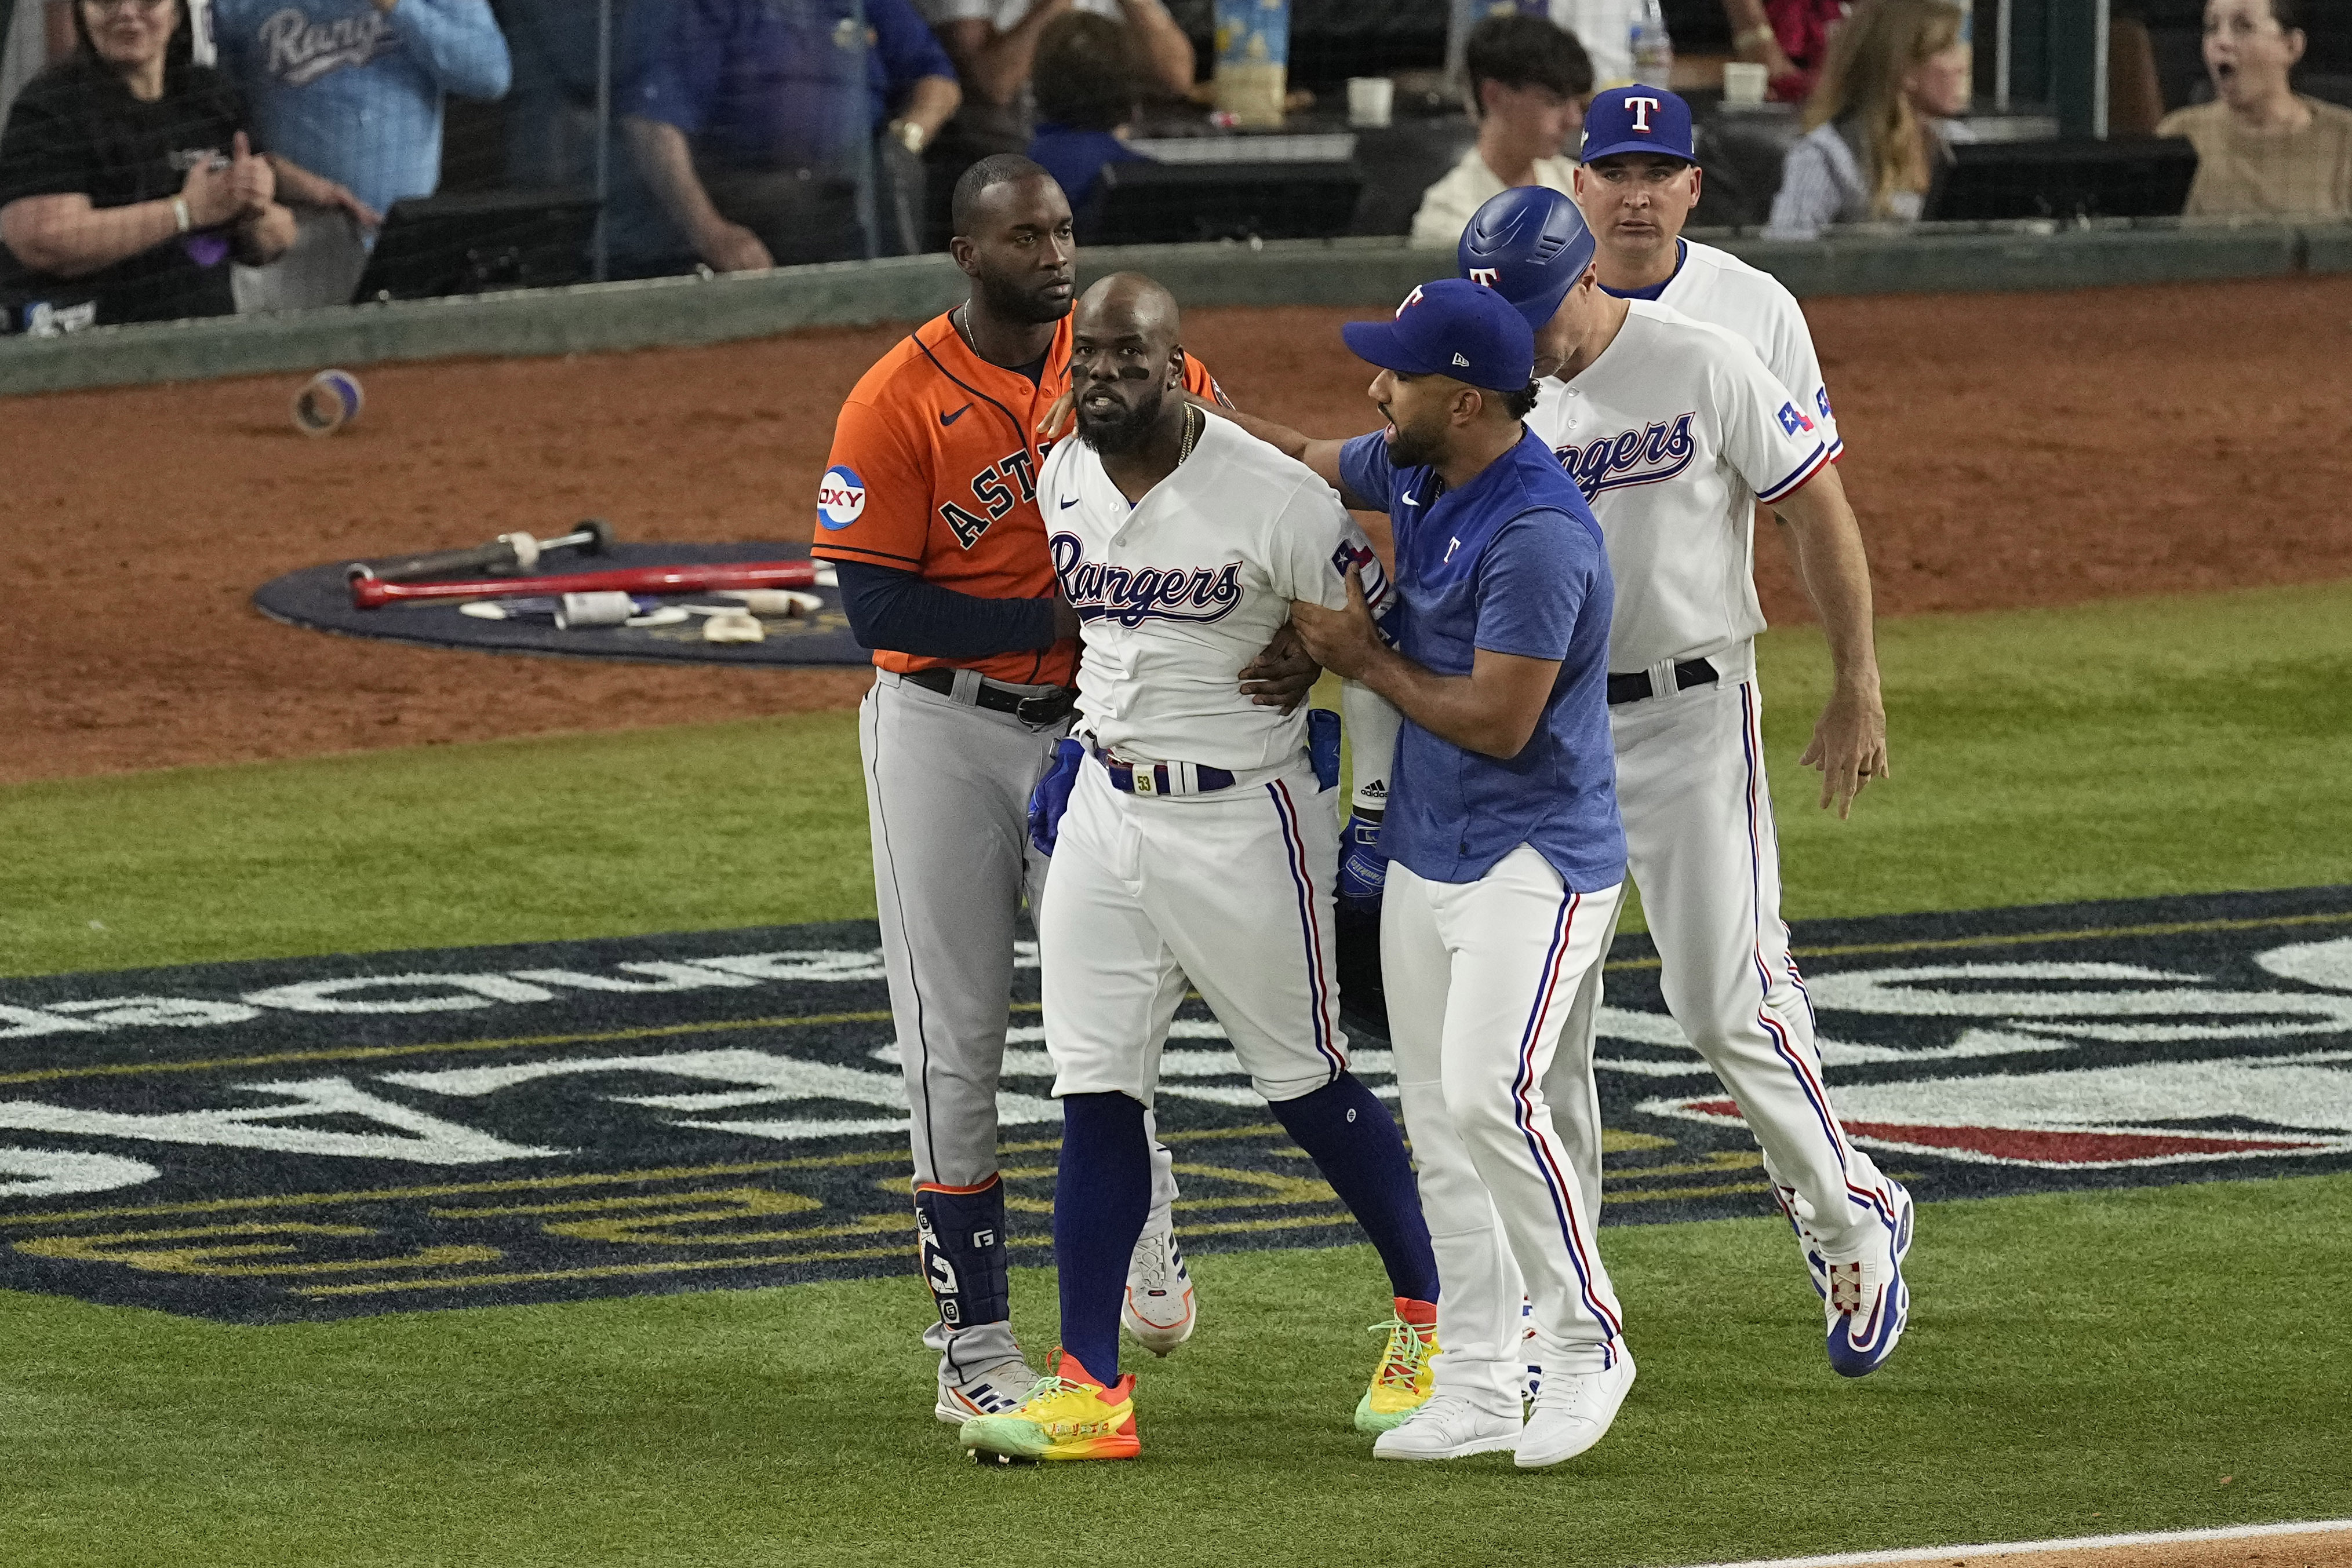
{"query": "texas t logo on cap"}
[(1638, 120)]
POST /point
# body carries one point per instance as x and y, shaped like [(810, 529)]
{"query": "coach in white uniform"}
[(1674, 430), (1636, 194), (1198, 848), (1507, 861)]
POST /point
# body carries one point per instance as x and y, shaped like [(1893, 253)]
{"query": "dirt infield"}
[(2004, 449)]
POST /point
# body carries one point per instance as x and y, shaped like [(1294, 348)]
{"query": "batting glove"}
[(1051, 797), (1362, 867)]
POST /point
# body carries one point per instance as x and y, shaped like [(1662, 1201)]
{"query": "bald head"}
[(1124, 360), (1129, 305)]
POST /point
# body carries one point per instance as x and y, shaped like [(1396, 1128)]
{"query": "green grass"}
[(2142, 747), (2076, 1366)]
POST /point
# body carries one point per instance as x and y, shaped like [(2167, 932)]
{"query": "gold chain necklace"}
[(1194, 423)]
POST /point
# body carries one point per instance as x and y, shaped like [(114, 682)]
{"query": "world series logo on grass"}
[(840, 497)]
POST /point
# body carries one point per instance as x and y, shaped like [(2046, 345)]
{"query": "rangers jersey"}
[(1718, 288), (1180, 589), (1674, 434)]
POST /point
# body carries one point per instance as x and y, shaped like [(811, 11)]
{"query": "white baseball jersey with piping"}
[(1674, 434), (1228, 887), (1718, 288)]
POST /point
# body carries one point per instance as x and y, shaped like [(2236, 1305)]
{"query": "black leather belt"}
[(1042, 709), (1632, 688)]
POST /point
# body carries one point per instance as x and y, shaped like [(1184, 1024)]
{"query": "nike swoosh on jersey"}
[(1068, 504), (951, 418), (1409, 500)]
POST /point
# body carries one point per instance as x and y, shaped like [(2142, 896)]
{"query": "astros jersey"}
[(934, 471), (1718, 288), (1181, 589), (1674, 434)]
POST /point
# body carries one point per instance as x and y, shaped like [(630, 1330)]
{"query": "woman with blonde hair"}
[(1880, 120)]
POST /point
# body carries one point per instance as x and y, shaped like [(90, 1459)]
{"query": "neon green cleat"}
[(1400, 1383)]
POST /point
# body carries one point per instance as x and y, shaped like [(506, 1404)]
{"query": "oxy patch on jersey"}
[(1645, 457), (840, 497), (1132, 596)]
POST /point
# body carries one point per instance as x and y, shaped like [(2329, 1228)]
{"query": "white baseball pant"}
[(947, 798), (1700, 846), (1231, 891), (1480, 979)]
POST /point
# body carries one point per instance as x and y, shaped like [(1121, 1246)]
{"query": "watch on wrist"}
[(1755, 38), (181, 215), (910, 136)]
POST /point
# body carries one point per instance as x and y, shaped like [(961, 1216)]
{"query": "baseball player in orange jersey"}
[(929, 510)]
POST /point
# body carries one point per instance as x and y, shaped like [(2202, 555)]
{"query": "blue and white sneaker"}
[(1807, 1247), (1867, 1303)]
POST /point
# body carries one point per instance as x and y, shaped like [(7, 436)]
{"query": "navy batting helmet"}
[(1531, 246)]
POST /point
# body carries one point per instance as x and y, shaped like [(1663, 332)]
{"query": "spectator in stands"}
[(128, 178), (351, 90), (1528, 80), (751, 122), (1790, 39), (1087, 89), (2262, 147), (1604, 28), (994, 45), (551, 106), (1881, 120)]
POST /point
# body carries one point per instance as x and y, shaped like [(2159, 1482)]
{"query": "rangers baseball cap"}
[(1637, 118), (1530, 244), (1451, 328)]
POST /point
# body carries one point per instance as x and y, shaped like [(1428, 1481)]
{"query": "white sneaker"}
[(1572, 1412), (996, 1390), (1868, 1302), (1159, 1310), (1448, 1427)]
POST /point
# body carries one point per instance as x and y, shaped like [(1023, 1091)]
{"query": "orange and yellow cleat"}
[(1070, 1414), (1400, 1384)]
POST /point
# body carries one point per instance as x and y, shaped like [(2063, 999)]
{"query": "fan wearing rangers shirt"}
[(929, 510), (1674, 430), (1193, 845), (1637, 186)]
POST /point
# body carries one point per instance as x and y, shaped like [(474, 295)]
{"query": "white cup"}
[(1370, 101), (1744, 82)]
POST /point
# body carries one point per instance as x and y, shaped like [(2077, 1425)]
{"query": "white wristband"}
[(180, 214)]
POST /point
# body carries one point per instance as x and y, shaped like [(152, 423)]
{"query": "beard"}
[(1114, 435), (1009, 300), (1413, 448)]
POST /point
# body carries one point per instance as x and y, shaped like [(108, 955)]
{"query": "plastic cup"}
[(1372, 100)]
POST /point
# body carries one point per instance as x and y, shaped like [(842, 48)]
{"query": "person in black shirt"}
[(128, 179)]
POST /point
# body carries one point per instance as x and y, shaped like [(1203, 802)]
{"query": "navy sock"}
[(1101, 1198), (1354, 1142)]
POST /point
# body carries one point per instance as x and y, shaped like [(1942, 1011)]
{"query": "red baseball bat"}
[(371, 593)]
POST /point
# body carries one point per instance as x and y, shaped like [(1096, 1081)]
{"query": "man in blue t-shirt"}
[(1506, 859), (751, 120)]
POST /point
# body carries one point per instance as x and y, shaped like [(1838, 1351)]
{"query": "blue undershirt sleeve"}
[(899, 611)]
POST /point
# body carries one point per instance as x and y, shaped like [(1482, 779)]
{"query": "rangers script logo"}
[(1630, 457), (1148, 593)]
